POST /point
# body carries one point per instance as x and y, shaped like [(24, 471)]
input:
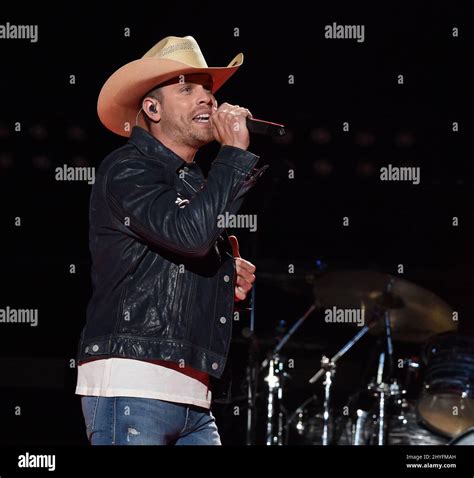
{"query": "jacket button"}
[(215, 366), (223, 320), (226, 278), (95, 348)]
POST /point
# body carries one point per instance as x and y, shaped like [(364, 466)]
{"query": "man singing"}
[(165, 276)]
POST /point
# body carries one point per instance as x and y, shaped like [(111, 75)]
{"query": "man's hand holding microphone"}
[(229, 125)]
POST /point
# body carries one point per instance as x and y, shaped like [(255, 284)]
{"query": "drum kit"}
[(426, 399)]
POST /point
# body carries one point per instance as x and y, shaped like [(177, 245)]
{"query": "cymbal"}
[(415, 313)]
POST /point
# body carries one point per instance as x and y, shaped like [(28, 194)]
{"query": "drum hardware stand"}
[(385, 389), (358, 430), (276, 424), (251, 376), (328, 369), (381, 390), (274, 379), (251, 402)]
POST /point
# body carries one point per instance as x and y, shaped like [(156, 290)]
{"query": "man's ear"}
[(152, 108)]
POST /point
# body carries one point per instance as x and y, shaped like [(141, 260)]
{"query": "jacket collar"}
[(153, 148)]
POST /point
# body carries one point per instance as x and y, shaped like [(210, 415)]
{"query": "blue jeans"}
[(146, 421)]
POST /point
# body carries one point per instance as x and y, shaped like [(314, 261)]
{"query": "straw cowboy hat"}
[(119, 100)]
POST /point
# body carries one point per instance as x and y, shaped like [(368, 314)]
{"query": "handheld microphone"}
[(265, 128)]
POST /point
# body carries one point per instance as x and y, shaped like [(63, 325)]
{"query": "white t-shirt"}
[(123, 377)]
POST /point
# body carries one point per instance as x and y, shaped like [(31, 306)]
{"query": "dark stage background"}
[(300, 219)]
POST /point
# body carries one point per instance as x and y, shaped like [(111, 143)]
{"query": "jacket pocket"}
[(182, 305)]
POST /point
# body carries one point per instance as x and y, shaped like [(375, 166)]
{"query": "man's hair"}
[(156, 93)]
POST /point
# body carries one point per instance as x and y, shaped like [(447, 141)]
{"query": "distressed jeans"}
[(146, 421)]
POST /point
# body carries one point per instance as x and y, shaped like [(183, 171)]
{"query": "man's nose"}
[(206, 97)]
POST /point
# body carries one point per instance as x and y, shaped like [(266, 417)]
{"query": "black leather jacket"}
[(162, 270)]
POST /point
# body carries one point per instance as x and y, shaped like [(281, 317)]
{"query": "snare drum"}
[(446, 404)]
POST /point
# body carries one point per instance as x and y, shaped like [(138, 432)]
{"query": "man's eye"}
[(186, 88)]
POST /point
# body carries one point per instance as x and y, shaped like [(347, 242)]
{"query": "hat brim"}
[(119, 99)]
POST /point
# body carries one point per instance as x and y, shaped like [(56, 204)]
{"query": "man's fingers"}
[(242, 263), (229, 125), (246, 275), (239, 294), (235, 246), (242, 291), (244, 284)]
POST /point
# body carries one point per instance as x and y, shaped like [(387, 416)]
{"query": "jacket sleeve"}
[(140, 197)]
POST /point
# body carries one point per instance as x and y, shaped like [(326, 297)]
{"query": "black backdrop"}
[(300, 220)]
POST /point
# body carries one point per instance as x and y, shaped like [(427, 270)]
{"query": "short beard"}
[(185, 133)]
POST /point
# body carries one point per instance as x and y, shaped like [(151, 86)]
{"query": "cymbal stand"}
[(384, 388), (328, 369), (275, 379)]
